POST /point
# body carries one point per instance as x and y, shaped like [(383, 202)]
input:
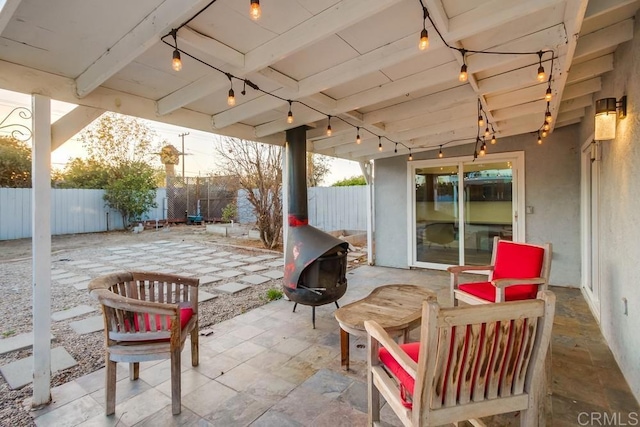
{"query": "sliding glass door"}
[(460, 205)]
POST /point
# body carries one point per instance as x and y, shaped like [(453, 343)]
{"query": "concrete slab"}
[(221, 254), (88, 325), (20, 373), (273, 274), (200, 258), (187, 274), (239, 257), (81, 285), (166, 271), (232, 264), (165, 242), (278, 263), (74, 279), (253, 259), (229, 273), (148, 267), (17, 342), (72, 312), (216, 261), (125, 252), (205, 296), (254, 267), (80, 262), (254, 279), (194, 267), (117, 248), (60, 276), (90, 266), (269, 256), (112, 258), (177, 262), (183, 246), (208, 270), (231, 288), (181, 254), (207, 280)]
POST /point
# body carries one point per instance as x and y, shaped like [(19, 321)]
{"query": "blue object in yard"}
[(193, 219)]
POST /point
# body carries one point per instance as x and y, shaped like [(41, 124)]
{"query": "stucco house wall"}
[(552, 181), (618, 214)]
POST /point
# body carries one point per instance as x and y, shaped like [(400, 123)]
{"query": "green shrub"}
[(274, 294), (230, 212)]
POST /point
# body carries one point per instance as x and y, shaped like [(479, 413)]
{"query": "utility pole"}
[(181, 136)]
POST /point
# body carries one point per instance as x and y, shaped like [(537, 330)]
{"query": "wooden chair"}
[(471, 362), (147, 316), (518, 271)]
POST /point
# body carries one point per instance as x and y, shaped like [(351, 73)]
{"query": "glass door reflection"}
[(437, 213)]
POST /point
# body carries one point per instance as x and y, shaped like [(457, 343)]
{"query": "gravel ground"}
[(87, 350)]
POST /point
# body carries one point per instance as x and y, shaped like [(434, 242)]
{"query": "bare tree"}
[(258, 168), (318, 167)]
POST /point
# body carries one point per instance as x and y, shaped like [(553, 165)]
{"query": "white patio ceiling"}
[(353, 59)]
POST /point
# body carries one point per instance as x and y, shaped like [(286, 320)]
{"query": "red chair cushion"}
[(392, 365), (517, 261), (487, 291), (186, 313)]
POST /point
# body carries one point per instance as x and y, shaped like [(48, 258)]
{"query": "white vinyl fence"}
[(330, 208), (73, 211)]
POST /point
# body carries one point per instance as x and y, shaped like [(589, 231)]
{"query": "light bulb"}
[(463, 76), (289, 117), (548, 95), (231, 99), (329, 131), (486, 132), (410, 156), (541, 75), (440, 155), (493, 139), (358, 140), (483, 149), (546, 126), (255, 11), (480, 121), (544, 133), (547, 117), (176, 64), (424, 40), (539, 139), (379, 144)]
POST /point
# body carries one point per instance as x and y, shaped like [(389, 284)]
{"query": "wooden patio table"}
[(396, 308)]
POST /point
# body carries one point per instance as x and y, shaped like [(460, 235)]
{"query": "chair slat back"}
[(518, 260), (128, 320), (483, 352)]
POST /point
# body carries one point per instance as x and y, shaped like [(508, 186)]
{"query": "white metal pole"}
[(367, 171), (41, 246)]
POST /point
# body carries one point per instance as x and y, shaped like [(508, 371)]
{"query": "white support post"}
[(367, 171), (41, 247)]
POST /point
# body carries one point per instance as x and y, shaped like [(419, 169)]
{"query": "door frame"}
[(516, 158), (590, 223)]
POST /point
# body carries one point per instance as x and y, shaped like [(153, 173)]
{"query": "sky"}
[(198, 145)]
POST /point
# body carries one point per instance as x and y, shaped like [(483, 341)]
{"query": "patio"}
[(267, 367)]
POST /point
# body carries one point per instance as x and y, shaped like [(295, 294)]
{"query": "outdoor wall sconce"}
[(606, 117)]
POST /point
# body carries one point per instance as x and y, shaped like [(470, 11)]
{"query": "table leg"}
[(344, 349)]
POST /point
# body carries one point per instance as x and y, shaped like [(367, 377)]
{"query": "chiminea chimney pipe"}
[(297, 168)]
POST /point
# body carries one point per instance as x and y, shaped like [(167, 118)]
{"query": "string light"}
[(440, 155), (548, 117), (424, 35), (358, 140), (379, 143), (486, 132), (539, 138), (290, 114), (544, 133), (541, 75), (410, 155), (480, 120), (463, 76), (254, 10), (493, 140), (483, 149), (231, 98), (329, 131), (176, 63), (548, 95), (395, 149), (546, 126)]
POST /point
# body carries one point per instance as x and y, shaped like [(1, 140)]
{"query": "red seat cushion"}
[(392, 365), (513, 261), (487, 291), (186, 313), (517, 261)]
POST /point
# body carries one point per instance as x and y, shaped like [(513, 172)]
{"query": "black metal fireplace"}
[(315, 262)]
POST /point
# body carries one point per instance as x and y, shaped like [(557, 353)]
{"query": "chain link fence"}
[(198, 199)]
